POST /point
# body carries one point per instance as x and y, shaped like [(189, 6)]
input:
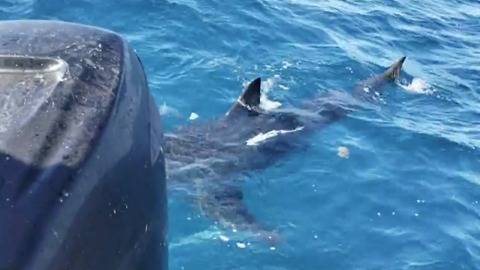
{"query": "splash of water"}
[(193, 116), (265, 102), (417, 86)]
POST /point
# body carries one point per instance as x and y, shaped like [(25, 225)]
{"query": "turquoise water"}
[(407, 196)]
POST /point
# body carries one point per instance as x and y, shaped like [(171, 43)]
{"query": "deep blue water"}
[(407, 197)]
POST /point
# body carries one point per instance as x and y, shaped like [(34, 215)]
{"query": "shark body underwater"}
[(210, 155)]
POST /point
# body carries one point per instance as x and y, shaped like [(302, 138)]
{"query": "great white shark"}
[(210, 155)]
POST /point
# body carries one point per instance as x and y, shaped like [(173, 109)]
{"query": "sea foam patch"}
[(265, 102), (193, 116), (418, 86)]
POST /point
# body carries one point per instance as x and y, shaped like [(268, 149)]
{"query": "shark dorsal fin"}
[(393, 71), (249, 99), (251, 95)]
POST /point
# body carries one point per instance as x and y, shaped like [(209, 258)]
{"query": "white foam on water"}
[(223, 238), (164, 109), (267, 104), (267, 85), (193, 116), (273, 133), (286, 64), (418, 86), (241, 245)]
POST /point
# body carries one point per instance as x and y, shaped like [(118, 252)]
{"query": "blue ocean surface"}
[(407, 194)]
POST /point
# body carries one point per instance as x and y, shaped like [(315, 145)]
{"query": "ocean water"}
[(407, 194)]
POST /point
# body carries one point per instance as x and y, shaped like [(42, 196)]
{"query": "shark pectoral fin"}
[(394, 70), (249, 100), (226, 205)]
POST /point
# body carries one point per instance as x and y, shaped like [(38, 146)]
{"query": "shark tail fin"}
[(394, 70), (369, 88)]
